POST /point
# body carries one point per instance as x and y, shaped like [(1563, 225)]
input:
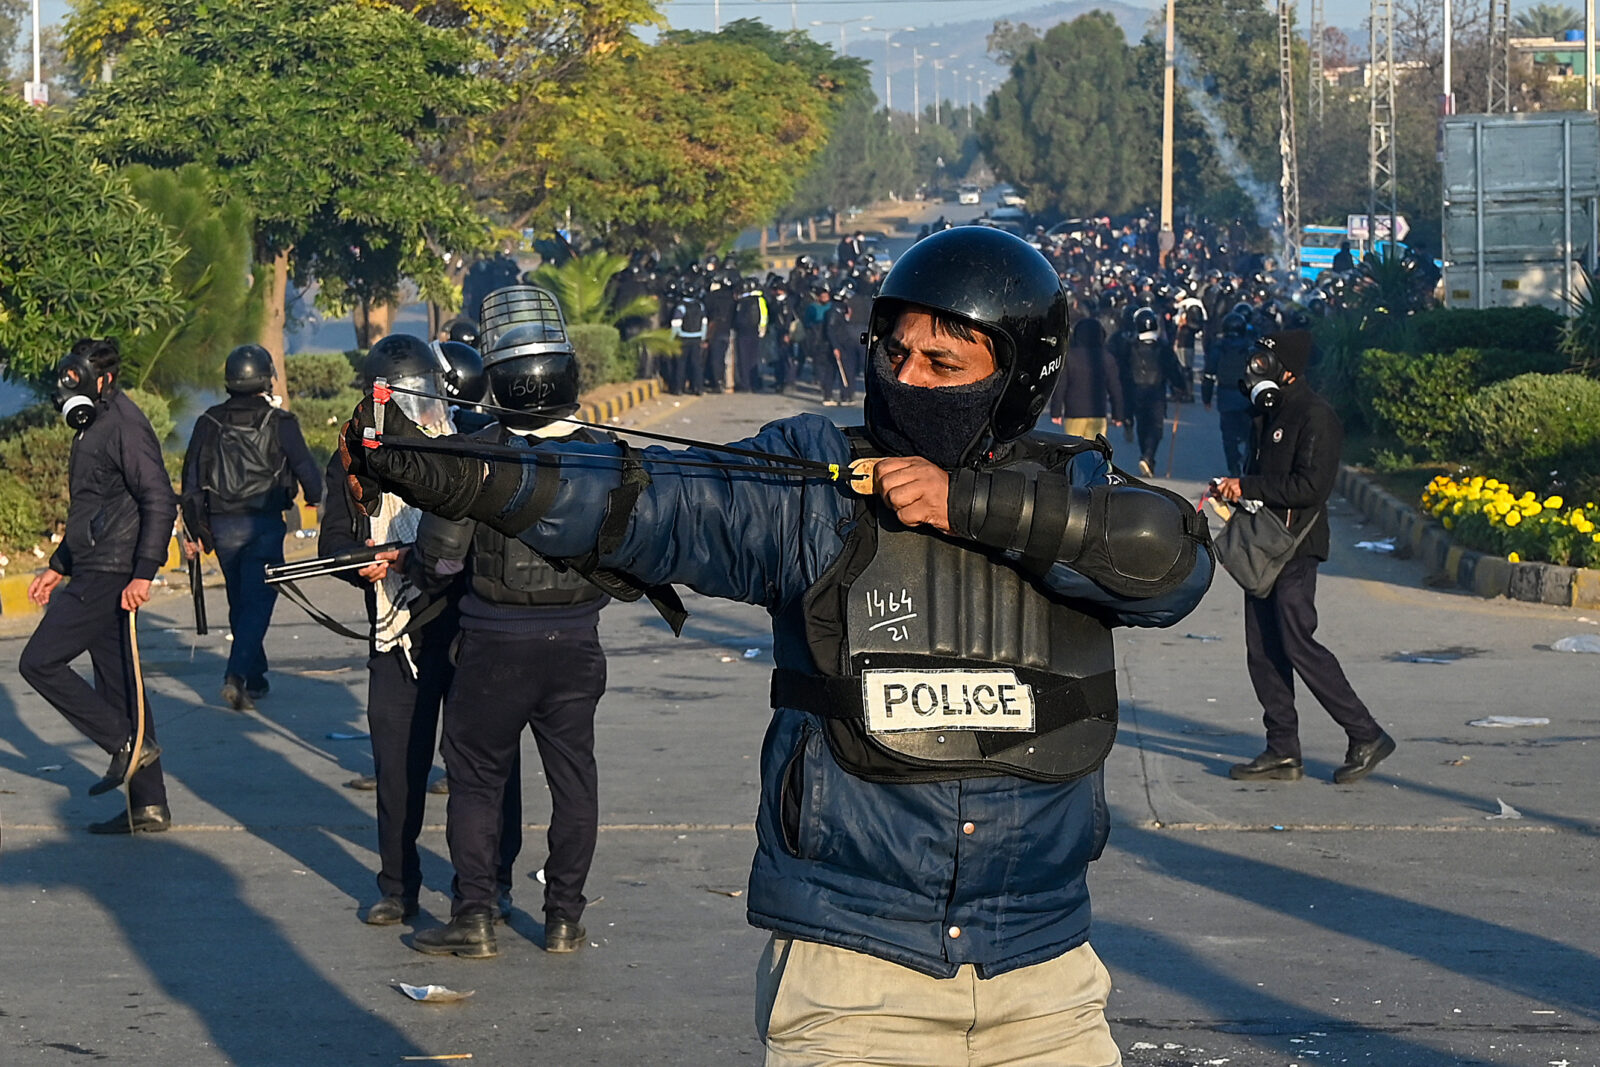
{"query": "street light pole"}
[(916, 90), (1169, 75), (841, 23), (888, 44)]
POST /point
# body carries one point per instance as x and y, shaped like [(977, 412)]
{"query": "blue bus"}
[(1318, 246)]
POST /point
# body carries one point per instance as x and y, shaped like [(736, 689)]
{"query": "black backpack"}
[(245, 470), (1144, 363)]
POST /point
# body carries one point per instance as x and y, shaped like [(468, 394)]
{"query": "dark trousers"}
[(1235, 439), (747, 362), (716, 356), (835, 375), (671, 371), (246, 545), (403, 718), (790, 361), (1279, 636), (504, 682), (1149, 418), (693, 366), (85, 615)]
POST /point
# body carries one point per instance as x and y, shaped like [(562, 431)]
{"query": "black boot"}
[(120, 770), (563, 935), (1359, 760), (150, 819), (234, 695), (1268, 765), (391, 910), (469, 935)]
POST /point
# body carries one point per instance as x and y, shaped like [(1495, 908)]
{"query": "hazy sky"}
[(697, 14)]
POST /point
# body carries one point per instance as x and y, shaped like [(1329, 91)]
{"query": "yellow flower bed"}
[(1489, 515)]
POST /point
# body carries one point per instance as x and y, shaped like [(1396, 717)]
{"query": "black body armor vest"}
[(936, 659), (505, 571)]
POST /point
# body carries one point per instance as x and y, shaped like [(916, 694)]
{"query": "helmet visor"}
[(431, 412)]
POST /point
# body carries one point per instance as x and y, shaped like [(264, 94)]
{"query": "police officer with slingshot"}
[(945, 689), (529, 656), (245, 458)]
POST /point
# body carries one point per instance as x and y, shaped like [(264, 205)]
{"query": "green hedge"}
[(1418, 398), (317, 374), (34, 456), (1538, 430), (1503, 364), (21, 516), (1527, 329), (322, 417), (156, 409), (600, 358)]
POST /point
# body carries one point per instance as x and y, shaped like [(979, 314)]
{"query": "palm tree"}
[(582, 286), (1547, 20)]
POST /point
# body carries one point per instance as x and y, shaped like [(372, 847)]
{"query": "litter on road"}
[(1506, 811), (433, 994), (1578, 643), (1506, 721), (1385, 545)]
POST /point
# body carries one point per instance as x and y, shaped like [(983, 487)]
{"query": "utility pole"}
[(1447, 99), (1499, 57), (1588, 55), (1168, 237), (35, 92), (1319, 63), (1380, 119), (888, 44), (1289, 181), (936, 94), (916, 91)]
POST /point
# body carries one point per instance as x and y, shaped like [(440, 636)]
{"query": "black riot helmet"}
[(1235, 325), (248, 370), (408, 363), (461, 370), (1004, 287), (528, 359), (462, 330), (1146, 326)]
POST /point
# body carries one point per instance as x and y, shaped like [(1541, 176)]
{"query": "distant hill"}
[(967, 41)]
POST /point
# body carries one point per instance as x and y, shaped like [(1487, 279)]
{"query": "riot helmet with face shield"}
[(528, 359), (409, 363)]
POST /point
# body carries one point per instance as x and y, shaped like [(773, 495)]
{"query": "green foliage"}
[(582, 286), (838, 77), (38, 457), (155, 408), (316, 114), (599, 350), (1580, 335), (219, 309), (1541, 430), (79, 257), (1073, 125), (317, 375), (21, 519), (321, 418), (866, 157), (1547, 20), (1529, 329), (1418, 398), (1499, 364), (686, 141)]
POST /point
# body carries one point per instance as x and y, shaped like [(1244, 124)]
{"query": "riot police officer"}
[(408, 665), (119, 522), (687, 371), (529, 656), (945, 692), (750, 322), (1149, 369), (1226, 358), (244, 462)]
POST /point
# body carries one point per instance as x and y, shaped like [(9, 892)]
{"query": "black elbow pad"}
[(1140, 542)]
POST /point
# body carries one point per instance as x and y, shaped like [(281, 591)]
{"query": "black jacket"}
[(297, 458), (1294, 461), (122, 509), (1089, 379)]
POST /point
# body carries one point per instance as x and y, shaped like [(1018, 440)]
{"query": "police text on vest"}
[(946, 700)]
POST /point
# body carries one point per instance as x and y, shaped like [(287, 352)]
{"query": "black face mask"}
[(76, 394), (941, 425)]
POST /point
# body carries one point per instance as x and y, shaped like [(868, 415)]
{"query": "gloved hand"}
[(444, 484)]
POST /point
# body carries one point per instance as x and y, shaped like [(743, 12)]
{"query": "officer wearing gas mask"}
[(119, 522), (945, 689), (529, 656), (408, 665), (244, 461), (1292, 467)]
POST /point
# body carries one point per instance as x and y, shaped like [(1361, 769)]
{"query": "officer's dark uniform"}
[(689, 326), (750, 323), (721, 292), (529, 656), (1149, 369), (941, 822), (119, 525), (1226, 357), (837, 352), (239, 475)]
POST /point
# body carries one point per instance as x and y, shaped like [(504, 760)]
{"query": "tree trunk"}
[(763, 241), (783, 234), (811, 229), (272, 321)]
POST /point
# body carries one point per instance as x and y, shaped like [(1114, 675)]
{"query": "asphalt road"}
[(1390, 923)]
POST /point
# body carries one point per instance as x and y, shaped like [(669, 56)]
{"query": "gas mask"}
[(77, 393), (1263, 380)]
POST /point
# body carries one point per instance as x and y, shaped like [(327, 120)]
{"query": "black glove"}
[(446, 485)]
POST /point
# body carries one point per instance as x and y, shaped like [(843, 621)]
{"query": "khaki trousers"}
[(819, 1005), (1088, 429)]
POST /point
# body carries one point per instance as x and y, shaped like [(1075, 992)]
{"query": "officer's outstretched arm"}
[(1135, 541)]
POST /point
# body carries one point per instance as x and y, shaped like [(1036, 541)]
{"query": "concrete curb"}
[(598, 405), (1418, 536)]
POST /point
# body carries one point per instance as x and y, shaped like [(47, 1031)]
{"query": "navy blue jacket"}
[(881, 869)]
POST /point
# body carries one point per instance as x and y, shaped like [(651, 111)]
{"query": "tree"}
[(1547, 20), (690, 141), (1007, 41), (582, 286), (80, 257), (864, 160), (11, 16), (1072, 126), (312, 112), (219, 309)]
